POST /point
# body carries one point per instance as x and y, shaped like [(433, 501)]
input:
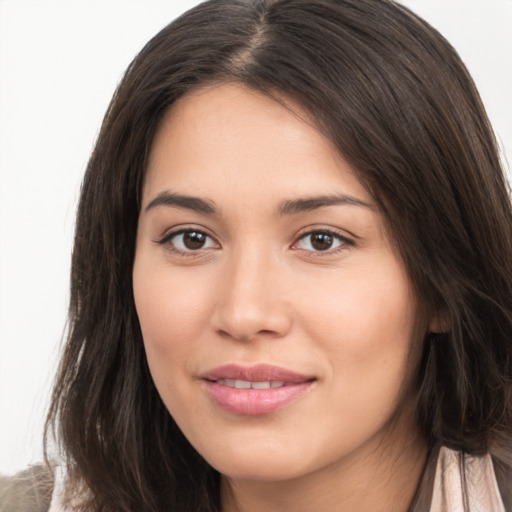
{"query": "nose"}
[(252, 301)]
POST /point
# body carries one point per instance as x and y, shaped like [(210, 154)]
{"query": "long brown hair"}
[(398, 103)]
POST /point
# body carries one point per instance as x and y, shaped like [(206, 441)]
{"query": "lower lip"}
[(253, 402)]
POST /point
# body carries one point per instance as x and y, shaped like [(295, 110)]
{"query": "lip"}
[(253, 402)]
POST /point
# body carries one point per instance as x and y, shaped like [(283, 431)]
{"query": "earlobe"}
[(439, 323)]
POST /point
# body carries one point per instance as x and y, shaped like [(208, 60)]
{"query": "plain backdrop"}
[(59, 64)]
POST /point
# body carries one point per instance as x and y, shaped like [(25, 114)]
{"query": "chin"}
[(261, 461), (269, 470)]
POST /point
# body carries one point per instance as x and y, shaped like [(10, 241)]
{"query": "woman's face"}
[(280, 327)]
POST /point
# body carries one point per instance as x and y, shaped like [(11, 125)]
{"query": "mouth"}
[(247, 384), (255, 390)]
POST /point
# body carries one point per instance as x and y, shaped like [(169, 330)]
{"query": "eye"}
[(188, 240), (322, 241)]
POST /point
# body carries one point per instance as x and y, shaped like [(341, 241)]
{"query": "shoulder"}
[(28, 491)]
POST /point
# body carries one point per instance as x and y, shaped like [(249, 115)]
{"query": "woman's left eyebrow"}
[(197, 204), (305, 204)]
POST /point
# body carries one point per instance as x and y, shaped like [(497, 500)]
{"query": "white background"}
[(59, 64)]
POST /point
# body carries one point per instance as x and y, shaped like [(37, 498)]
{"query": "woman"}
[(291, 284)]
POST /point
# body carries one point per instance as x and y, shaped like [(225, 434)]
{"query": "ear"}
[(439, 323)]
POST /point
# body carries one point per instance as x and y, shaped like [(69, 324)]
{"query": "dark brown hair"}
[(398, 103)]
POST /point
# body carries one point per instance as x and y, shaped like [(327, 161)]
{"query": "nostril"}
[(245, 337), (266, 332), (224, 334)]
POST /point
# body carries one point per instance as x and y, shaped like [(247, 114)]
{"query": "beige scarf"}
[(465, 483)]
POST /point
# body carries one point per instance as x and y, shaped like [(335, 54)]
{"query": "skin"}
[(259, 291)]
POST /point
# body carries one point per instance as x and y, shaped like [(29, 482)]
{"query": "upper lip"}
[(255, 373)]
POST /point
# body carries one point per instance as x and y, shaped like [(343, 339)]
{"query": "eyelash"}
[(344, 242), (167, 238)]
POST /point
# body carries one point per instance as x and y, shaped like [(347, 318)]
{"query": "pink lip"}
[(254, 402)]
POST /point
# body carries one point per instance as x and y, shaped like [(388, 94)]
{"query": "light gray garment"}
[(465, 483)]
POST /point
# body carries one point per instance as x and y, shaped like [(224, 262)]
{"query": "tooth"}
[(245, 384), (260, 385)]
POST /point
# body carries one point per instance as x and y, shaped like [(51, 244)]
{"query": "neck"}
[(382, 475)]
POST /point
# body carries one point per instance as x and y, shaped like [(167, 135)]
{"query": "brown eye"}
[(188, 241), (321, 241), (194, 240)]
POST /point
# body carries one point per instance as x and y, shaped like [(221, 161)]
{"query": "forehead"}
[(230, 136)]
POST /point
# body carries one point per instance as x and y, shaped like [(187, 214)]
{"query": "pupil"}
[(321, 241), (194, 240)]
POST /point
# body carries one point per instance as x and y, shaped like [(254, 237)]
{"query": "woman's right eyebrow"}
[(196, 204)]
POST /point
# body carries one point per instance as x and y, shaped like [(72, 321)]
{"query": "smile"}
[(256, 390), (246, 384)]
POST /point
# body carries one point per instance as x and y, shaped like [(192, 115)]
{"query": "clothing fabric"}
[(29, 490), (465, 483)]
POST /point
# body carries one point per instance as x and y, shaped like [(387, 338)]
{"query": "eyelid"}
[(347, 242), (174, 231), (181, 228)]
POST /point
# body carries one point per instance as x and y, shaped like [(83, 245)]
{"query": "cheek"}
[(172, 312), (367, 322), (365, 326)]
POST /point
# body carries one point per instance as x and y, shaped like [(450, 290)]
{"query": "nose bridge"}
[(250, 302)]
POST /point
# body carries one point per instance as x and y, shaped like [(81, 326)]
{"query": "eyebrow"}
[(182, 201), (289, 207), (313, 203)]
